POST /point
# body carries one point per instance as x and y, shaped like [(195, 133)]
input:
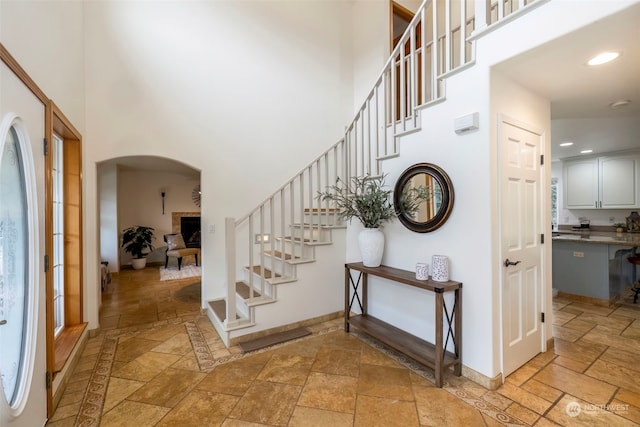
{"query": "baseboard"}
[(589, 300), (283, 328), (483, 380)]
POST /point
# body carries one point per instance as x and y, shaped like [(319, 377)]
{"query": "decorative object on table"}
[(366, 199), (439, 268), (633, 222), (422, 271), (137, 240), (430, 197), (619, 227)]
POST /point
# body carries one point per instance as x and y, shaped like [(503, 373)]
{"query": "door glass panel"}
[(13, 264)]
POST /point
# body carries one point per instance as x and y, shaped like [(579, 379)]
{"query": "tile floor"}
[(147, 369)]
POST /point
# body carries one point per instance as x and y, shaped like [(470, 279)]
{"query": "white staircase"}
[(274, 246)]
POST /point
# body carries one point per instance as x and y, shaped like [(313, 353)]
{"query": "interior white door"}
[(521, 219), (23, 394)]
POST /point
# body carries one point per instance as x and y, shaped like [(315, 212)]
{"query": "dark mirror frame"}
[(447, 197)]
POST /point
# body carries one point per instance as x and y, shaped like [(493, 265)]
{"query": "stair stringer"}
[(319, 291)]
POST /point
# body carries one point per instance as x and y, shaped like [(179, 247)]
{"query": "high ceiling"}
[(558, 71), (580, 95)]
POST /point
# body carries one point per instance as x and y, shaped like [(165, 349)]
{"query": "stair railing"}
[(438, 41)]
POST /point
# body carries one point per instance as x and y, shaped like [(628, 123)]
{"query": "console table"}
[(432, 355)]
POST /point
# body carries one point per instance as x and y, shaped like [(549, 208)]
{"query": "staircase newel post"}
[(230, 258)]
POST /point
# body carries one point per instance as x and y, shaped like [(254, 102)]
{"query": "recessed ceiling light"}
[(603, 58), (566, 144), (619, 104), (586, 151)]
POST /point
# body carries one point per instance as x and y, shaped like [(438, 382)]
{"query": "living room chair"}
[(176, 248)]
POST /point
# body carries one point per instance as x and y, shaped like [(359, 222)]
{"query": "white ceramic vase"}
[(371, 242), (138, 263), (439, 268)]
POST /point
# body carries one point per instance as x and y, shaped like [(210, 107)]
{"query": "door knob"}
[(3, 322), (507, 263)]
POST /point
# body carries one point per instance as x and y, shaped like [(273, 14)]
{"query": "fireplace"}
[(187, 223), (190, 229)]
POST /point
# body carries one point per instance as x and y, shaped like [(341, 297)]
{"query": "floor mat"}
[(272, 339)]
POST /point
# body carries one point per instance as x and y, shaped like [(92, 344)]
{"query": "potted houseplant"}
[(137, 240), (367, 199)]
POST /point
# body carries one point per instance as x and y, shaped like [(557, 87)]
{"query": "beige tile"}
[(287, 369), (377, 411), (545, 422), (562, 317), (574, 365), (382, 381), (582, 351), (522, 374), (567, 334), (581, 386), (579, 324), (177, 344), (629, 397), (625, 410), (524, 398), (118, 390), (331, 392), (133, 414), (66, 411), (582, 415), (542, 390), (438, 407), (601, 335), (497, 400), (621, 357), (522, 413), (145, 367), (200, 408), (168, 388), (236, 377), (132, 348), (331, 359), (372, 356), (614, 374), (312, 417), (282, 398)]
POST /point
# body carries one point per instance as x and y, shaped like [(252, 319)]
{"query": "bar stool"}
[(635, 286)]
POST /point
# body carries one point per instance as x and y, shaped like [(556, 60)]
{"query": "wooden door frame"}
[(402, 12)]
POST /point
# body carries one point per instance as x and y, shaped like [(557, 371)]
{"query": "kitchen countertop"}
[(601, 237)]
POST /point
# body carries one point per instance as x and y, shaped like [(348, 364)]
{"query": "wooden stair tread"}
[(305, 240), (243, 290), (280, 255), (268, 274), (219, 308)]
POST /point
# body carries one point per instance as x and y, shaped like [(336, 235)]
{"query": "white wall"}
[(140, 203), (46, 38), (246, 92), (108, 209)]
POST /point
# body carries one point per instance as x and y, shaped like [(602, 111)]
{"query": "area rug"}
[(172, 273)]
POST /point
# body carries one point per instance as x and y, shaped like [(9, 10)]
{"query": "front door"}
[(23, 393), (521, 219)]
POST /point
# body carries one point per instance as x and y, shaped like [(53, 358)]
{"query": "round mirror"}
[(423, 197)]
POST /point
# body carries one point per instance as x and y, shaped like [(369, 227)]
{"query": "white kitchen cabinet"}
[(609, 182)]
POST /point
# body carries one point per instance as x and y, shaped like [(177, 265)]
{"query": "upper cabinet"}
[(609, 182)]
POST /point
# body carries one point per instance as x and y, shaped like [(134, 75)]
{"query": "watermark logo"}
[(573, 409)]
